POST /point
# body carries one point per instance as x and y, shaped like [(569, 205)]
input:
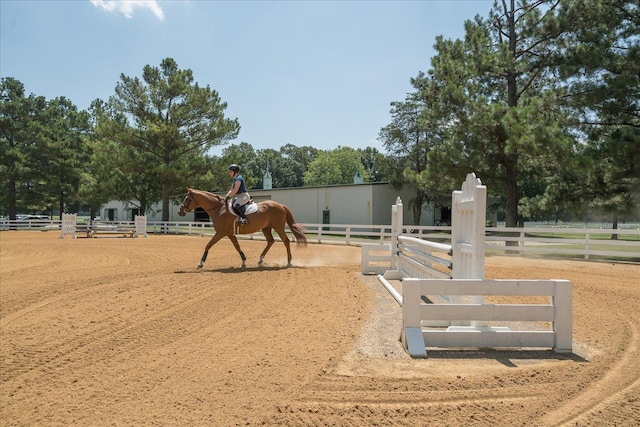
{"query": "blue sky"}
[(308, 73)]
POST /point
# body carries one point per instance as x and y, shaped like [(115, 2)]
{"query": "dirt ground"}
[(115, 331)]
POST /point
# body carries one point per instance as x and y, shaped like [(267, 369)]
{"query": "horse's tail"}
[(296, 229)]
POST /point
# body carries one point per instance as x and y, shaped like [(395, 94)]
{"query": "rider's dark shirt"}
[(243, 188)]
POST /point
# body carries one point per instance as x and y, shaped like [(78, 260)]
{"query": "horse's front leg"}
[(234, 240), (212, 242)]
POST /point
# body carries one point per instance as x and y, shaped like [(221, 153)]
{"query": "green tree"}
[(119, 168), (43, 149), (334, 167), (91, 192), (598, 62), (372, 160), (64, 153), (268, 160), (494, 93), (613, 185), (241, 154), (170, 121), (297, 160), (286, 165), (20, 116), (409, 139)]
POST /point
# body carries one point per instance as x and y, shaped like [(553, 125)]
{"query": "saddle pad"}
[(251, 207)]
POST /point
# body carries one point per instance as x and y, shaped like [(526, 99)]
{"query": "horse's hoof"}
[(289, 265), (260, 263), (199, 267)]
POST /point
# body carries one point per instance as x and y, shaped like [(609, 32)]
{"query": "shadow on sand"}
[(508, 358), (234, 269)]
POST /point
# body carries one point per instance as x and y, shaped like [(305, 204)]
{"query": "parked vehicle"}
[(25, 221), (27, 217)]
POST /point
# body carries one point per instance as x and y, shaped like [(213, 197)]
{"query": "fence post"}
[(396, 230), (412, 338), (562, 325), (586, 245)]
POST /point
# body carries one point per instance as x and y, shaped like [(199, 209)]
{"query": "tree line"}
[(540, 99)]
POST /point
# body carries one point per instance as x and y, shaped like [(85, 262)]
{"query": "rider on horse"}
[(239, 190)]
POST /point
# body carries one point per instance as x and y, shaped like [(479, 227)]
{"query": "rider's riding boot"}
[(240, 211), (243, 219)]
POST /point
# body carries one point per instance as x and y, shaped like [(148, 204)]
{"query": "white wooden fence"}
[(586, 243)]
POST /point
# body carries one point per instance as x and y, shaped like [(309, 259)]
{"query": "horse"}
[(270, 215)]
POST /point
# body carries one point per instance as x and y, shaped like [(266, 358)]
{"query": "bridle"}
[(189, 200)]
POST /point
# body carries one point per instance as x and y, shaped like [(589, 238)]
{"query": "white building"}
[(366, 204)]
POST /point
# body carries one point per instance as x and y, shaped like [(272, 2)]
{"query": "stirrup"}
[(243, 221)]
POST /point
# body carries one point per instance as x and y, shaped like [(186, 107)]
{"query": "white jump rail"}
[(416, 258), (112, 229)]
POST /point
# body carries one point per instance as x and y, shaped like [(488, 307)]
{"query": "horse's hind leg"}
[(236, 245), (212, 242), (270, 240), (285, 240)]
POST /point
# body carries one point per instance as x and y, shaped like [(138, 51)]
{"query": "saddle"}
[(249, 208)]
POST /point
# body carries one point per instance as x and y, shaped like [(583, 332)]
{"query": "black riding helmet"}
[(234, 168)]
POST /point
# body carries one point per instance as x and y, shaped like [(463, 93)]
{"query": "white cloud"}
[(126, 7)]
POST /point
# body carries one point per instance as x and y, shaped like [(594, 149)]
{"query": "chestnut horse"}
[(270, 215)]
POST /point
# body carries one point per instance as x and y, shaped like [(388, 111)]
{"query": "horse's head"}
[(188, 204)]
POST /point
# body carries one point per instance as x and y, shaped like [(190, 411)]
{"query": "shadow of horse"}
[(234, 270)]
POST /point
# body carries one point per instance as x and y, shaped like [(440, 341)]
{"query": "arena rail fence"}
[(567, 242), (587, 242), (30, 224), (443, 297)]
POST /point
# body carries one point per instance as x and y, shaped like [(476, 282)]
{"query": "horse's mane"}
[(208, 193)]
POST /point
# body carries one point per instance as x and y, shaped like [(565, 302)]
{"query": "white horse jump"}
[(457, 280), (94, 228), (138, 229)]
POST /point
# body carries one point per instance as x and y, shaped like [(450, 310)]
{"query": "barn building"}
[(356, 204)]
